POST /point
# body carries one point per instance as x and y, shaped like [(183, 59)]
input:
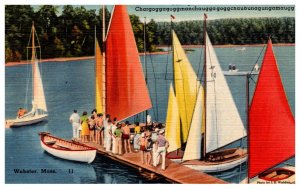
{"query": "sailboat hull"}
[(26, 120), (217, 166)]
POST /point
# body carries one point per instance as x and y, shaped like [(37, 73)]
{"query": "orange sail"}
[(271, 123), (126, 90), (99, 82)]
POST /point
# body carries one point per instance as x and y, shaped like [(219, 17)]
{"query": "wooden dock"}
[(175, 173)]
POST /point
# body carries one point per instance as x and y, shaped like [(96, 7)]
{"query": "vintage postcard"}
[(139, 94)]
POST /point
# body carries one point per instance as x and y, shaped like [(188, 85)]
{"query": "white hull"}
[(218, 167), (87, 156), (26, 120)]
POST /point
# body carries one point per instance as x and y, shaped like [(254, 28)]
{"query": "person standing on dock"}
[(118, 137), (137, 132), (85, 127), (142, 141), (92, 126), (114, 142), (99, 129), (106, 126), (154, 138), (75, 121), (108, 136), (162, 146), (126, 137)]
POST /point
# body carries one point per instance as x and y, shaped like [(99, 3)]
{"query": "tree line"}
[(72, 33)]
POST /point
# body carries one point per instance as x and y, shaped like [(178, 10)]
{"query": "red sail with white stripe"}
[(126, 90), (271, 122)]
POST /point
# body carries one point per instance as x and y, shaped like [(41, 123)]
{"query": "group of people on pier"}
[(116, 137)]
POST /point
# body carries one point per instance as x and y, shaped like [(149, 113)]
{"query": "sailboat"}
[(214, 120), (38, 112), (271, 138), (182, 100), (121, 90)]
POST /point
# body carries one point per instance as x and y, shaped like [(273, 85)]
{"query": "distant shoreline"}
[(228, 45), (63, 59)]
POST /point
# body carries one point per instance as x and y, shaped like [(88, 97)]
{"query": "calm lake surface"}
[(70, 85)]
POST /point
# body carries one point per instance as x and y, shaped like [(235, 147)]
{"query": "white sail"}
[(38, 89), (223, 122), (193, 146)]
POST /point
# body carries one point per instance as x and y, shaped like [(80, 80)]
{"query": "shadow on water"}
[(110, 171), (102, 171)]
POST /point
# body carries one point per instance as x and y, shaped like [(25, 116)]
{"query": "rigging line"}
[(256, 62), (27, 82), (155, 89), (28, 73)]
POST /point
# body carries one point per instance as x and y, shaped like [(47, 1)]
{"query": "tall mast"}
[(171, 31), (33, 55), (205, 91), (145, 62), (103, 61)]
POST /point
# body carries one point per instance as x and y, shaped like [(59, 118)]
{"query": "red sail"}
[(126, 90), (271, 123)]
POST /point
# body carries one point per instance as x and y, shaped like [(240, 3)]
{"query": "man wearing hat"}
[(162, 146)]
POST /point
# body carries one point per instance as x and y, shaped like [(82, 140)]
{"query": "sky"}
[(163, 12)]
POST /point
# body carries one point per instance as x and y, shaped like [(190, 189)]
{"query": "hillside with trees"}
[(72, 33)]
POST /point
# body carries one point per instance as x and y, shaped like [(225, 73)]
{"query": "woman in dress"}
[(85, 133)]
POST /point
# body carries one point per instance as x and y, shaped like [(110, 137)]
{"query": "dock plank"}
[(174, 172)]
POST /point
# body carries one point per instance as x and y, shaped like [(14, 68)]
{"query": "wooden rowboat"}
[(69, 150)]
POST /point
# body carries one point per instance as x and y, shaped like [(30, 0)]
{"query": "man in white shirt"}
[(75, 120)]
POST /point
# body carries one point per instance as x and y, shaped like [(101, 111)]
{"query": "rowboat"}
[(68, 150)]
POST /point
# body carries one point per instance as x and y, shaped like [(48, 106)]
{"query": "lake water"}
[(70, 85)]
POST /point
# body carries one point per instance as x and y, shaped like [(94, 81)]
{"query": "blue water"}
[(70, 85)]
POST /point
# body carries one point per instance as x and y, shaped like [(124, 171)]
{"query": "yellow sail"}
[(173, 122), (186, 86), (99, 79)]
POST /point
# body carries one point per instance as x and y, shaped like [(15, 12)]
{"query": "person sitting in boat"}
[(229, 67), (21, 112)]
